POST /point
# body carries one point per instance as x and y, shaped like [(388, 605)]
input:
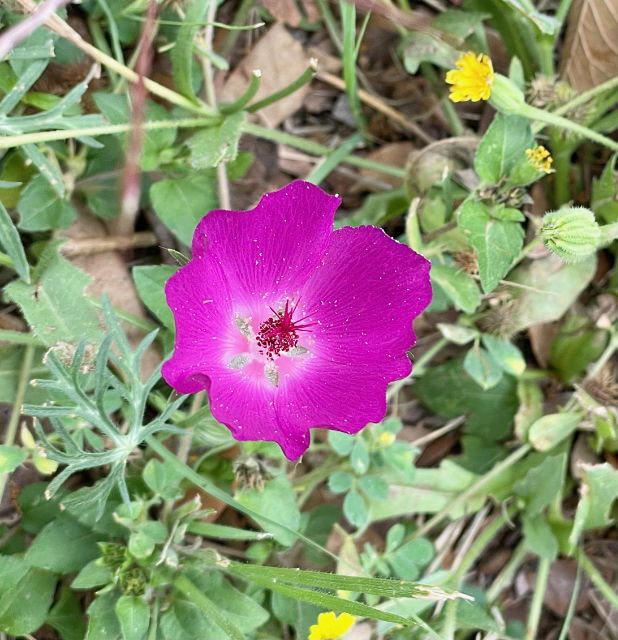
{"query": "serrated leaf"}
[(502, 147), (457, 285), (213, 145), (497, 242), (55, 312), (41, 208)]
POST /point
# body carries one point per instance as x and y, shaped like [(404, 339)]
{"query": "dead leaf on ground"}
[(395, 154), (287, 11), (590, 53), (281, 60)]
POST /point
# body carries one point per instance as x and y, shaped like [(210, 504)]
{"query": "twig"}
[(15, 34), (90, 246)]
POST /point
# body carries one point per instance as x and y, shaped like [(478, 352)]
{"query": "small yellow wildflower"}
[(472, 79), (540, 158), (330, 626)]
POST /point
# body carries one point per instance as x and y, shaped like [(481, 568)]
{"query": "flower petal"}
[(270, 251), (363, 298)]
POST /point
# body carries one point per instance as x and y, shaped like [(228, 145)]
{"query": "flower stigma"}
[(280, 332)]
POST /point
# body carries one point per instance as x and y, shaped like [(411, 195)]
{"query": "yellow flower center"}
[(540, 158), (472, 79), (330, 626)]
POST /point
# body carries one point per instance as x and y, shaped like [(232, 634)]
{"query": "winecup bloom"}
[(288, 325), (330, 627), (472, 79)]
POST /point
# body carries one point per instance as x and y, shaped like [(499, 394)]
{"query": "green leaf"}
[(180, 203), (25, 596), (182, 53), (541, 483), (150, 283), (552, 287), (67, 617), (552, 429), (340, 481), (457, 285), (277, 500), (421, 47), (161, 478), (359, 458), (373, 487), (134, 617), (539, 537), (50, 550), (102, 619), (355, 509), (213, 145), (502, 147), (55, 312), (408, 561), (298, 614), (497, 242), (11, 243), (11, 457), (508, 356), (94, 574), (457, 333), (482, 367), (341, 443), (604, 201), (598, 492), (41, 208)]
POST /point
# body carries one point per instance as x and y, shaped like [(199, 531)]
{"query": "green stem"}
[(535, 242), (533, 113), (347, 12), (587, 95), (11, 429), (562, 11), (239, 19), (457, 126), (562, 151), (470, 492), (322, 169), (536, 606), (597, 579), (6, 261), (136, 321), (611, 347), (249, 94), (18, 140), (505, 577), (317, 149), (302, 80)]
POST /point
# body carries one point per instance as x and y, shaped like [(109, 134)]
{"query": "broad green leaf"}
[(598, 492), (11, 457), (457, 285), (67, 617), (25, 596), (497, 242), (341, 443), (161, 478), (502, 147), (150, 282), (298, 614), (355, 509), (277, 501), (373, 487), (552, 287), (539, 537), (508, 356), (457, 333), (11, 243), (408, 561), (15, 170), (604, 201), (41, 208), (482, 367), (102, 619), (552, 429), (340, 481), (50, 550), (182, 53), (541, 483), (92, 575), (421, 47), (213, 145), (134, 617), (544, 23), (359, 458), (180, 203), (55, 312)]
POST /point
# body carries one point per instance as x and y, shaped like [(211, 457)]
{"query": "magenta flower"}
[(288, 325)]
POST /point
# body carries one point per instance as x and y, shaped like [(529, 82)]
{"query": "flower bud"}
[(506, 96), (572, 234), (536, 164)]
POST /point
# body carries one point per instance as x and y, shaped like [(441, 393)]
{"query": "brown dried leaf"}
[(281, 60), (287, 11), (590, 54)]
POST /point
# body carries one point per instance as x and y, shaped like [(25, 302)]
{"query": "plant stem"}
[(470, 492), (611, 347), (586, 96), (11, 429), (536, 606), (597, 579), (505, 577), (19, 337), (317, 149), (302, 80)]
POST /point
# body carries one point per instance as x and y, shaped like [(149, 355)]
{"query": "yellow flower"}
[(330, 627), (472, 79), (540, 158)]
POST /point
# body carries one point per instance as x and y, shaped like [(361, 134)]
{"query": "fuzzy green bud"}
[(572, 234), (506, 96)]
